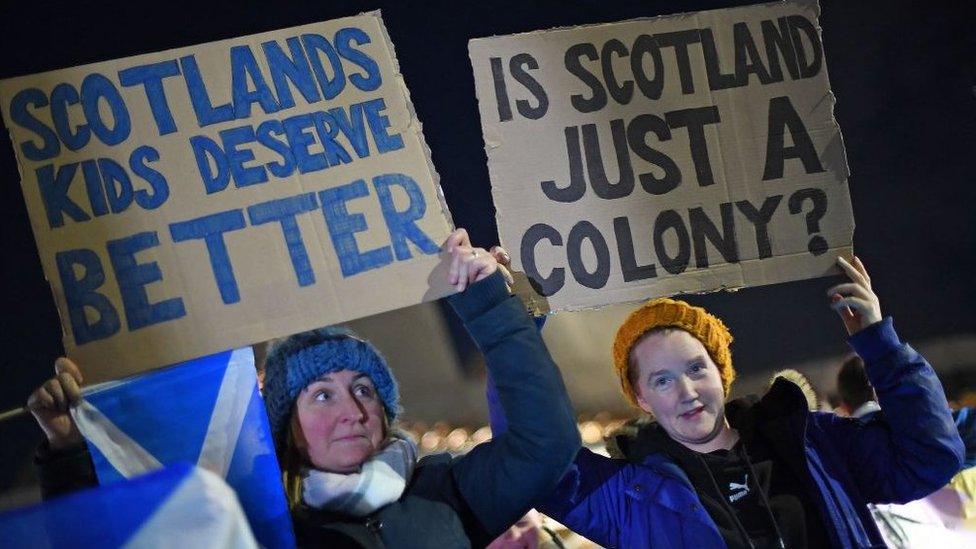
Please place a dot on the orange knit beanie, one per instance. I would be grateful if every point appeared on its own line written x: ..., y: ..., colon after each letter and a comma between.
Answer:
x: 669, y: 313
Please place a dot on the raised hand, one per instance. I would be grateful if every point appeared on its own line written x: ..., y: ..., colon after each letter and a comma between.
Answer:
x: 468, y: 264
x: 50, y: 402
x: 855, y: 301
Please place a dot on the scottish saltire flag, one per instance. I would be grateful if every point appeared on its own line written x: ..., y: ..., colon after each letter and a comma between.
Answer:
x: 945, y: 519
x: 180, y: 506
x: 206, y: 411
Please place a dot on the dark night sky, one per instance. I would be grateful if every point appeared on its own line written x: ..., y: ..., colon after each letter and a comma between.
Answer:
x: 903, y: 74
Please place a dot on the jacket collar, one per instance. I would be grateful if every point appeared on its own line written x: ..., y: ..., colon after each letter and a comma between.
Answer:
x: 780, y: 417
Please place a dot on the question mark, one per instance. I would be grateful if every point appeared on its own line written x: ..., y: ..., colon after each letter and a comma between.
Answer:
x: 817, y: 244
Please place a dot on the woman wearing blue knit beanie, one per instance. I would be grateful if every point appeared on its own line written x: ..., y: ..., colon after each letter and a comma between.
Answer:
x: 353, y: 481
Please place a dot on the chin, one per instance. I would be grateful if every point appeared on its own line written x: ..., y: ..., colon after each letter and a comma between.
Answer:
x: 702, y: 437
x: 355, y: 459
x: 706, y: 431
x: 346, y: 464
x: 343, y: 461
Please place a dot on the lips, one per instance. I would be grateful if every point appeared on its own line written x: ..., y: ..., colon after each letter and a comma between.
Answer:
x: 693, y: 413
x: 349, y: 438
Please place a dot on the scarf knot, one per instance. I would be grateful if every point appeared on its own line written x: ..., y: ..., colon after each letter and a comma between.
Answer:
x: 380, y: 481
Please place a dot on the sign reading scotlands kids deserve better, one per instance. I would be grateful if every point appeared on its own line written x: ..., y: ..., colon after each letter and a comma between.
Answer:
x: 205, y: 198
x: 684, y: 153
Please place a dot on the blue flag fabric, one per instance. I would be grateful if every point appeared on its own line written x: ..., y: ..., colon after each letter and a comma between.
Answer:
x: 206, y: 411
x: 181, y: 505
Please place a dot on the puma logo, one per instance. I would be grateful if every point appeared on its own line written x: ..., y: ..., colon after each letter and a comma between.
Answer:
x: 739, y: 491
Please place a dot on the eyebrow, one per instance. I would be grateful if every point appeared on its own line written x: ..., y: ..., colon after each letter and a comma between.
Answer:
x: 689, y: 362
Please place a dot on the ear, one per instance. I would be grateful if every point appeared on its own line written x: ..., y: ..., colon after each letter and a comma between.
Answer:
x: 642, y: 402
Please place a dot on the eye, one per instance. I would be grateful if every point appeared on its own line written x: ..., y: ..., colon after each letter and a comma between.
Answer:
x: 321, y: 396
x: 364, y: 391
x: 698, y: 367
x: 660, y: 382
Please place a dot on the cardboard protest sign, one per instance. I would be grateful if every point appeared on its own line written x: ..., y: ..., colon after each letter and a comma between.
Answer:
x: 676, y: 154
x: 209, y: 197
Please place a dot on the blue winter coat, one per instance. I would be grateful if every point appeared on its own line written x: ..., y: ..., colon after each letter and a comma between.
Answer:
x: 913, y: 452
x: 966, y: 423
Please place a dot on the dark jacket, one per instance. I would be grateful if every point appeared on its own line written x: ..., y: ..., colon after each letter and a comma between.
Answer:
x: 469, y: 500
x: 648, y: 500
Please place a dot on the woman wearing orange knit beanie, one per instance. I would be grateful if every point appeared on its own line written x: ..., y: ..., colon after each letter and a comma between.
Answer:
x: 756, y: 472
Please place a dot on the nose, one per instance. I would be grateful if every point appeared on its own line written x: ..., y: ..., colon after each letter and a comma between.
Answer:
x: 686, y: 389
x: 352, y: 410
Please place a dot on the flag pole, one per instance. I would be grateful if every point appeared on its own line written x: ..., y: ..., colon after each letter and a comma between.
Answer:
x: 12, y: 413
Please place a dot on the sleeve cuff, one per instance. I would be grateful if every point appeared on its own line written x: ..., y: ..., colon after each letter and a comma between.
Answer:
x: 479, y: 297
x: 875, y: 341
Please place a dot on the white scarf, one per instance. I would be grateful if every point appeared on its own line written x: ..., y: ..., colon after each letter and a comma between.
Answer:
x: 380, y: 481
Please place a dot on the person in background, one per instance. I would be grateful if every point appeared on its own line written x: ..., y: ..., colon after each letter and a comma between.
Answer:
x: 941, y: 517
x: 857, y: 398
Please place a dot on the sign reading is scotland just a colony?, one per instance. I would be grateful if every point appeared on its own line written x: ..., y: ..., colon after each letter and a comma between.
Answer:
x: 208, y: 197
x: 682, y: 153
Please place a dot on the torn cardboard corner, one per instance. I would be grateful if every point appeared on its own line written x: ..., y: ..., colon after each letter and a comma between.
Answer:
x: 205, y: 198
x: 535, y: 303
x: 679, y: 154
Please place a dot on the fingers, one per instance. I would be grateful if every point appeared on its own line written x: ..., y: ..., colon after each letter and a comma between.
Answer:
x: 857, y: 295
x: 51, y: 402
x: 452, y: 272
x: 845, y: 312
x: 66, y: 365
x: 457, y: 238
x: 59, y: 400
x: 862, y: 269
x: 504, y: 263
x: 464, y: 264
x: 852, y: 272
x: 473, y: 264
x: 40, y: 399
x: 469, y: 264
x: 476, y: 265
x: 855, y: 304
x: 501, y: 256
x: 483, y: 267
x: 509, y: 279
x: 70, y: 388
x: 851, y: 289
x: 61, y: 391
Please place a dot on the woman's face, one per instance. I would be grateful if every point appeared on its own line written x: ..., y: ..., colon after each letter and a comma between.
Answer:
x: 340, y: 421
x: 680, y: 385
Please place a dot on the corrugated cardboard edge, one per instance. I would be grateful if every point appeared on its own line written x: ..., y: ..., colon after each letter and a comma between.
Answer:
x: 65, y: 337
x: 535, y: 303
x: 682, y: 15
x: 415, y: 125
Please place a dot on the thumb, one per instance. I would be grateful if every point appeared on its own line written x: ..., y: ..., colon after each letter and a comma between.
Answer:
x: 501, y: 256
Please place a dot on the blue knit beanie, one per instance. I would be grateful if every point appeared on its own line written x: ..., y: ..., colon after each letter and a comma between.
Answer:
x: 297, y: 360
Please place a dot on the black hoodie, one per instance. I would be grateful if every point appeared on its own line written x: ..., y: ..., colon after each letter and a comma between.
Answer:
x: 757, y: 493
